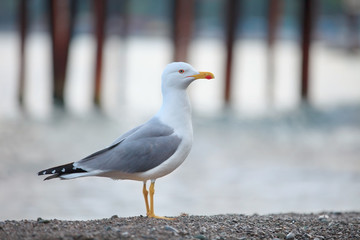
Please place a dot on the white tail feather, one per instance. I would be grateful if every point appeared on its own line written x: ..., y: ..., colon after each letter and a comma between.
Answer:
x: 82, y: 174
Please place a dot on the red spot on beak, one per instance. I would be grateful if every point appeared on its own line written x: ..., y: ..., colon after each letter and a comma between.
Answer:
x: 208, y: 77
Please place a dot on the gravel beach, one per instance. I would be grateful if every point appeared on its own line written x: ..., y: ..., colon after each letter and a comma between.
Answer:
x: 319, y: 226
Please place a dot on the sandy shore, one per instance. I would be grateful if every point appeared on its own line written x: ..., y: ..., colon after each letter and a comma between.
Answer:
x: 335, y: 225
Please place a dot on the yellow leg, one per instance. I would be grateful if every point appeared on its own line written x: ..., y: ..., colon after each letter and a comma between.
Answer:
x: 151, y: 214
x: 145, y: 193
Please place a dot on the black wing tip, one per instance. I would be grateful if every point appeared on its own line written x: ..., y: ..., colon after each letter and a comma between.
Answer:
x: 45, y: 172
x: 56, y: 175
x: 60, y: 170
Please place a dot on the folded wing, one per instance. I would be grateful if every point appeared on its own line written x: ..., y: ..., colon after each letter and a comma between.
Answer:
x: 144, y: 149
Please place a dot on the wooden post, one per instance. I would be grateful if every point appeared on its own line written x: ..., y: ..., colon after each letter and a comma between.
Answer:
x: 273, y: 7
x: 61, y: 22
x: 182, y: 28
x: 23, y: 33
x: 353, y: 31
x: 124, y: 5
x: 307, y: 15
x: 231, y: 20
x: 100, y: 19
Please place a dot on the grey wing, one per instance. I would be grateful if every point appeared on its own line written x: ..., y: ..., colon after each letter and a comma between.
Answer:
x: 145, y: 148
x: 123, y: 136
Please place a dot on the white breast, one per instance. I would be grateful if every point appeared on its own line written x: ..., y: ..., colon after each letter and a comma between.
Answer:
x: 170, y: 164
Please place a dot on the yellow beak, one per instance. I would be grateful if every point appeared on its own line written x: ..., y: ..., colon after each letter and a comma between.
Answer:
x: 203, y: 75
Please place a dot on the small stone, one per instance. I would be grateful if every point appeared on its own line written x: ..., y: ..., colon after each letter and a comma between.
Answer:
x: 114, y: 216
x: 40, y: 220
x: 125, y: 234
x: 201, y: 237
x: 280, y: 236
x: 108, y: 228
x: 323, y: 218
x: 291, y: 235
x: 203, y: 230
x: 169, y: 228
x: 337, y: 213
x: 223, y: 234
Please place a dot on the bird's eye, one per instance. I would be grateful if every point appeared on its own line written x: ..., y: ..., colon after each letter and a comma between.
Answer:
x: 181, y: 71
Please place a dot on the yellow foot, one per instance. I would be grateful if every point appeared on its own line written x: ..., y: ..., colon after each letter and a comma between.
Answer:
x: 158, y: 217
x: 150, y: 207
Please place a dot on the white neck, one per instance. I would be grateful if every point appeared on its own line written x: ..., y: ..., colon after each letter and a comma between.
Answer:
x: 176, y: 110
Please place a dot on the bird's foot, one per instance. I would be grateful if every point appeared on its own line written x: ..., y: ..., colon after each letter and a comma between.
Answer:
x: 152, y: 215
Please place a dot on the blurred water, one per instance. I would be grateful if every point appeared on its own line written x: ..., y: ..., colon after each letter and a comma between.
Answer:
x: 302, y: 162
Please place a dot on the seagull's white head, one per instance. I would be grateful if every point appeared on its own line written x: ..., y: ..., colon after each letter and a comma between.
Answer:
x: 179, y: 75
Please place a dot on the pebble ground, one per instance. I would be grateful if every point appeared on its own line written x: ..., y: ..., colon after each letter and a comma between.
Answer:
x: 320, y: 226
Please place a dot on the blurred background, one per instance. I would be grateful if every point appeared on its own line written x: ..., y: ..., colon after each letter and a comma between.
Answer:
x: 277, y: 130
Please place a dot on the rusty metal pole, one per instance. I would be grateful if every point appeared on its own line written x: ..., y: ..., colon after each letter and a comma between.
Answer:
x: 100, y: 19
x: 23, y: 33
x: 273, y: 7
x: 231, y: 20
x: 60, y: 22
x: 307, y: 16
x: 182, y: 28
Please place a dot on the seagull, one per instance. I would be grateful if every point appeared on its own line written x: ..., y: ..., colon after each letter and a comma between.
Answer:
x: 151, y: 150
